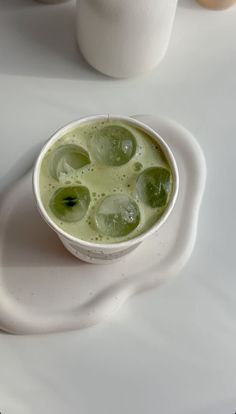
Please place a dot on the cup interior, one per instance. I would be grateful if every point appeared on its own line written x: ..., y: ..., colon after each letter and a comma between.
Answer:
x: 86, y: 120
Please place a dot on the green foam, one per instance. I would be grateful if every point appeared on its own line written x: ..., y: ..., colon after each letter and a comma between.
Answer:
x: 103, y: 180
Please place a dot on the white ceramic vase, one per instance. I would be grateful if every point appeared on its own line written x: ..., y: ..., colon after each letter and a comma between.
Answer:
x: 124, y: 38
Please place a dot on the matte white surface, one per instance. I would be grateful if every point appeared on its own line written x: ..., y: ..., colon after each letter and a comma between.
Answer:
x: 171, y: 350
x: 44, y: 289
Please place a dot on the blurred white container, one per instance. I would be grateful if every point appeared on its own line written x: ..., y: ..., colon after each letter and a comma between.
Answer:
x: 124, y: 38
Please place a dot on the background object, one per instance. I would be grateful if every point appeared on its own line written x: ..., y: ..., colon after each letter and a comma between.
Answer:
x: 217, y: 4
x: 124, y: 38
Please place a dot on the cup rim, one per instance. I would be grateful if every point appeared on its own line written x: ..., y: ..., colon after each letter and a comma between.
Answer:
x: 87, y: 119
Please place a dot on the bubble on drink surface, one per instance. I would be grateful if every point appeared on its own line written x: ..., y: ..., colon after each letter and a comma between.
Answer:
x: 117, y: 215
x: 137, y: 166
x: 70, y: 204
x: 154, y: 186
x: 113, y: 145
x: 66, y: 159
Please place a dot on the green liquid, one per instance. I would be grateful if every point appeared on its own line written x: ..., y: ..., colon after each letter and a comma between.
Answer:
x: 103, y: 180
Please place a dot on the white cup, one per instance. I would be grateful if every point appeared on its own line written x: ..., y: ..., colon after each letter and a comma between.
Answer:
x: 124, y: 38
x: 103, y: 253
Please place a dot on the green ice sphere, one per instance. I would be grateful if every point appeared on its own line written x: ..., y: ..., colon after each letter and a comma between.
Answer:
x: 117, y: 215
x: 70, y: 203
x: 154, y: 186
x: 67, y: 158
x: 113, y: 145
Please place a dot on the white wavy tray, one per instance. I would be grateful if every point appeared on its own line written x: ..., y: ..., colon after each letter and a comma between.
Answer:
x: 45, y: 289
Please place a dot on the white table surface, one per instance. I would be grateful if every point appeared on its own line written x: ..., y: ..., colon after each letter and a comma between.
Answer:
x: 173, y: 349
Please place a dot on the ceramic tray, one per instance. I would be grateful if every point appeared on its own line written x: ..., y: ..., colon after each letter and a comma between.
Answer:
x: 45, y: 289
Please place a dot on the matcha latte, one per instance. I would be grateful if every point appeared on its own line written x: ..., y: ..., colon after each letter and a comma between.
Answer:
x: 105, y: 181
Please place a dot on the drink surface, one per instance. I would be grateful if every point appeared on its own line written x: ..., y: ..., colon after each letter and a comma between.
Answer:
x: 105, y: 181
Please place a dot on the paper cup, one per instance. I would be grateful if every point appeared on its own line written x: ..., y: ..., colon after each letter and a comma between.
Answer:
x: 94, y: 252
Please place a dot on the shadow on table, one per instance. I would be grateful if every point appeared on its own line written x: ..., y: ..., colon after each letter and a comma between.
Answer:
x: 29, y: 242
x: 39, y: 40
x: 28, y: 233
x: 23, y: 165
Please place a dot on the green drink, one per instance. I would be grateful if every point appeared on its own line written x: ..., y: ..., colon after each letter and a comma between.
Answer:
x: 105, y: 181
